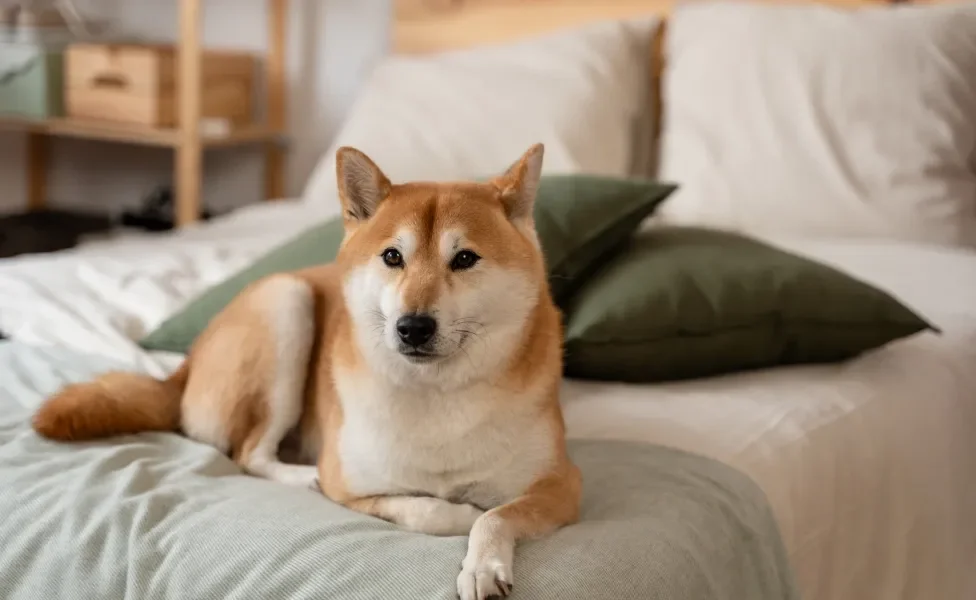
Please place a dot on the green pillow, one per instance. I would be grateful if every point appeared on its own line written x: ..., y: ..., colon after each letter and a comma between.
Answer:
x: 681, y: 303
x: 314, y: 246
x: 581, y: 219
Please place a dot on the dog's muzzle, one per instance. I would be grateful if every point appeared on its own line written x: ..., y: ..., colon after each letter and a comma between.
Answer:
x: 415, y: 333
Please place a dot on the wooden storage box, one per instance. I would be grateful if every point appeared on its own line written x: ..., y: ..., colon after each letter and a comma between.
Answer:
x: 138, y: 84
x: 30, y: 81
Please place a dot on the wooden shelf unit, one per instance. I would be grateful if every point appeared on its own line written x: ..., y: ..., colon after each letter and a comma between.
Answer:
x: 186, y: 140
x: 139, y: 136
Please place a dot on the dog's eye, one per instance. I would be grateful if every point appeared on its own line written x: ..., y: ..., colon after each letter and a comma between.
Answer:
x: 465, y: 259
x: 392, y: 257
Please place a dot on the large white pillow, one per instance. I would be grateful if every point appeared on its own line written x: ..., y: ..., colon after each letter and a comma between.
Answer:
x: 582, y: 92
x: 812, y: 120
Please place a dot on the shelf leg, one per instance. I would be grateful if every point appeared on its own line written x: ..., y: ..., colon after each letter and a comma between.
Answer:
x: 37, y: 151
x: 189, y: 151
x: 188, y: 183
x: 274, y: 172
x: 277, y: 82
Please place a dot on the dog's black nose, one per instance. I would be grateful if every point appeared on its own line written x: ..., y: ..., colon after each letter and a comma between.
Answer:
x: 416, y: 330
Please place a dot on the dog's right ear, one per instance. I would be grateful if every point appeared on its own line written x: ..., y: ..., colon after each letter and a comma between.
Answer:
x: 362, y: 185
x: 520, y: 183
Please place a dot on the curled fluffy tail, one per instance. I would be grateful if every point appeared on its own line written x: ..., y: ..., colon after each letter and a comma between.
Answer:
x: 113, y: 404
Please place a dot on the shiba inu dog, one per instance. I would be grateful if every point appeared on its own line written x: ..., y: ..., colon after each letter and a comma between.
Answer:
x: 416, y: 377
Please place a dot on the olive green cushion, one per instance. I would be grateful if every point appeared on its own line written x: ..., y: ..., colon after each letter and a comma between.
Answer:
x: 681, y: 302
x: 312, y: 247
x: 580, y: 219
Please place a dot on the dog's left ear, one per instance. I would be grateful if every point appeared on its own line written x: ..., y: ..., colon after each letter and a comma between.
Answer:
x: 520, y: 184
x: 362, y: 185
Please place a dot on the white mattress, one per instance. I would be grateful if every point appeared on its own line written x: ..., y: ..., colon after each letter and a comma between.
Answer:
x: 870, y: 466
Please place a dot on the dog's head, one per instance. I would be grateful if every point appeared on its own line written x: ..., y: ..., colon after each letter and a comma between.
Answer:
x: 441, y: 277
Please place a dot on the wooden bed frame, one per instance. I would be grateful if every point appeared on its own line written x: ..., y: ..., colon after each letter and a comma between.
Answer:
x: 422, y: 26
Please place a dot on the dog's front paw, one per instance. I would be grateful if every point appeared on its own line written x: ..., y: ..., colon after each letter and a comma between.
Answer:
x: 485, y: 578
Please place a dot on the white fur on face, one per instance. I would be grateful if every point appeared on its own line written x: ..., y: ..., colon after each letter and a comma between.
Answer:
x: 406, y: 242
x: 390, y: 303
x: 480, y: 316
x: 449, y: 244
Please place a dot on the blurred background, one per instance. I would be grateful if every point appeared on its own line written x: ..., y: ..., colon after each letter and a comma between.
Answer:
x: 800, y: 303
x: 330, y: 46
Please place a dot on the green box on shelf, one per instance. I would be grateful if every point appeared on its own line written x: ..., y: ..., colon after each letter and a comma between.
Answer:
x: 31, y: 81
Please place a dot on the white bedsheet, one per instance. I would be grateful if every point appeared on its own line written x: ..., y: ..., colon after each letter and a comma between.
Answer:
x: 103, y: 296
x: 870, y: 466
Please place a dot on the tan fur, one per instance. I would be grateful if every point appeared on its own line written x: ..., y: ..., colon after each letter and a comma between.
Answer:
x: 114, y: 404
x: 288, y: 356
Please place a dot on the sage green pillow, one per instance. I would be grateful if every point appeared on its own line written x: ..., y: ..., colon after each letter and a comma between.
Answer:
x: 581, y: 219
x: 683, y: 302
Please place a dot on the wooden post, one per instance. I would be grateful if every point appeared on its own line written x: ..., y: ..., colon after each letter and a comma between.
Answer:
x: 37, y: 148
x: 277, y: 82
x: 189, y: 151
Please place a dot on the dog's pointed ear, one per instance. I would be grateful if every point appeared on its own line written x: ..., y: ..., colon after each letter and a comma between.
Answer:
x: 362, y: 185
x: 520, y: 184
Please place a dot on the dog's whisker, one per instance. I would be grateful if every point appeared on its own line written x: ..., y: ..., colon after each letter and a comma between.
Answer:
x: 459, y: 346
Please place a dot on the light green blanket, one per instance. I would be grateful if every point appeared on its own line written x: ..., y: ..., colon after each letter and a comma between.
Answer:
x: 158, y: 516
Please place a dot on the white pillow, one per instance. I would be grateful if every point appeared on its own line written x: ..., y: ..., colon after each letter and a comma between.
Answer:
x: 812, y: 120
x: 582, y: 92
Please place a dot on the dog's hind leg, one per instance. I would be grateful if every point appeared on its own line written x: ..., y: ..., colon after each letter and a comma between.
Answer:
x: 288, y: 306
x: 255, y: 363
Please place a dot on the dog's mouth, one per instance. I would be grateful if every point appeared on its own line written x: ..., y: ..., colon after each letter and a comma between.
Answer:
x: 439, y: 348
x: 419, y: 356
x: 426, y: 353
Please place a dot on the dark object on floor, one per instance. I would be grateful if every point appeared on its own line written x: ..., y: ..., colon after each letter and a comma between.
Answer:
x: 47, y: 230
x: 156, y: 212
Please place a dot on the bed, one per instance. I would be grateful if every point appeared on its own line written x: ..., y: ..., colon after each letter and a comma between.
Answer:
x: 868, y: 467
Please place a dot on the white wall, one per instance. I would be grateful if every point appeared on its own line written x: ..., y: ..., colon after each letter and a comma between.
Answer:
x: 332, y: 45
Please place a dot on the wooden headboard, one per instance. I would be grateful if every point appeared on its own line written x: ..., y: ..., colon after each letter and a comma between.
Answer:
x: 422, y: 26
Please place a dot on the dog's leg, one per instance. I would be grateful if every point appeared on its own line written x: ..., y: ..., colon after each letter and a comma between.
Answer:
x: 286, y: 305
x: 550, y: 503
x: 422, y: 514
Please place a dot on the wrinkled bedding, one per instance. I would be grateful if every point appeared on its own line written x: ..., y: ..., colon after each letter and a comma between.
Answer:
x: 103, y: 296
x: 160, y: 516
x: 869, y: 466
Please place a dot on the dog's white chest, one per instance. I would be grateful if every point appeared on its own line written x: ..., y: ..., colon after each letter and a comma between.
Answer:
x: 462, y: 447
